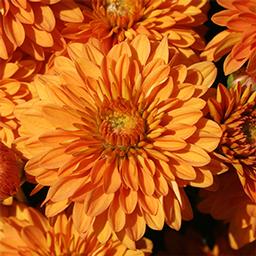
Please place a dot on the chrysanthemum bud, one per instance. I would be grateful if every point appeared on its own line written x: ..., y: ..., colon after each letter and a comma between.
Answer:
x: 9, y: 172
x: 242, y: 77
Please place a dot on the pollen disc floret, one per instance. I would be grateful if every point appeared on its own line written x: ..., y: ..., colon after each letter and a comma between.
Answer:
x: 124, y: 132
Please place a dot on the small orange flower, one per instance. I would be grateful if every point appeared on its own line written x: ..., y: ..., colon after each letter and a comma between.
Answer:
x: 119, y: 136
x: 9, y: 172
x: 235, y: 111
x: 27, y: 232
x: 31, y: 25
x: 238, y: 40
x: 230, y: 204
x: 113, y: 21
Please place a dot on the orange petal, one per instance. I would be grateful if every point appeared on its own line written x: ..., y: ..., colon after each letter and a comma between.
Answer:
x: 29, y: 233
x: 172, y: 211
x: 135, y: 226
x: 112, y: 180
x: 170, y: 143
x: 44, y: 18
x: 116, y: 216
x: 40, y: 37
x: 14, y: 31
x: 128, y: 200
x: 141, y: 45
x: 80, y: 219
x: 53, y: 209
x: 99, y: 202
x: 156, y: 221
x: 194, y: 155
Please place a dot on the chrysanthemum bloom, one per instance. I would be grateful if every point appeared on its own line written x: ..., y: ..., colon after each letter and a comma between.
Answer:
x: 119, y: 136
x: 230, y: 204
x: 9, y: 172
x: 28, y: 232
x: 113, y: 21
x: 31, y: 25
x: 14, y: 89
x: 235, y: 110
x: 239, y: 39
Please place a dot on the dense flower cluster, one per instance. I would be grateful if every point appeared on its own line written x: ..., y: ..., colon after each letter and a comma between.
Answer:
x: 114, y: 122
x: 125, y: 138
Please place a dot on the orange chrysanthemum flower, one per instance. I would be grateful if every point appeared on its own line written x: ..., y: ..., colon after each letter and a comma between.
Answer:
x: 113, y: 21
x: 235, y: 111
x: 117, y: 135
x: 28, y: 232
x: 239, y: 39
x: 31, y: 25
x: 230, y: 203
x: 14, y: 89
x: 9, y: 172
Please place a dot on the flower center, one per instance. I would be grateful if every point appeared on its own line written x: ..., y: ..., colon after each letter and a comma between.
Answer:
x: 120, y: 7
x: 249, y: 128
x: 239, y: 140
x: 121, y: 125
x: 122, y: 14
x: 121, y: 122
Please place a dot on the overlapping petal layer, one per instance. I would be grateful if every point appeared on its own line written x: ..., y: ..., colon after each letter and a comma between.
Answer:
x: 32, y: 25
x: 15, y: 73
x: 238, y: 40
x: 119, y: 136
x: 25, y: 231
x: 114, y: 21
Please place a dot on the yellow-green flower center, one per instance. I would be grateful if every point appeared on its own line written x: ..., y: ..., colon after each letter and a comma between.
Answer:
x: 121, y: 122
x: 121, y: 126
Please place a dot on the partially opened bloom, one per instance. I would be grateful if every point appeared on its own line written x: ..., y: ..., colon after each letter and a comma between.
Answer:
x: 119, y: 135
x: 230, y: 204
x: 235, y: 110
x: 28, y: 232
x: 31, y: 25
x: 113, y: 21
x: 9, y: 172
x: 238, y: 40
x: 242, y: 77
